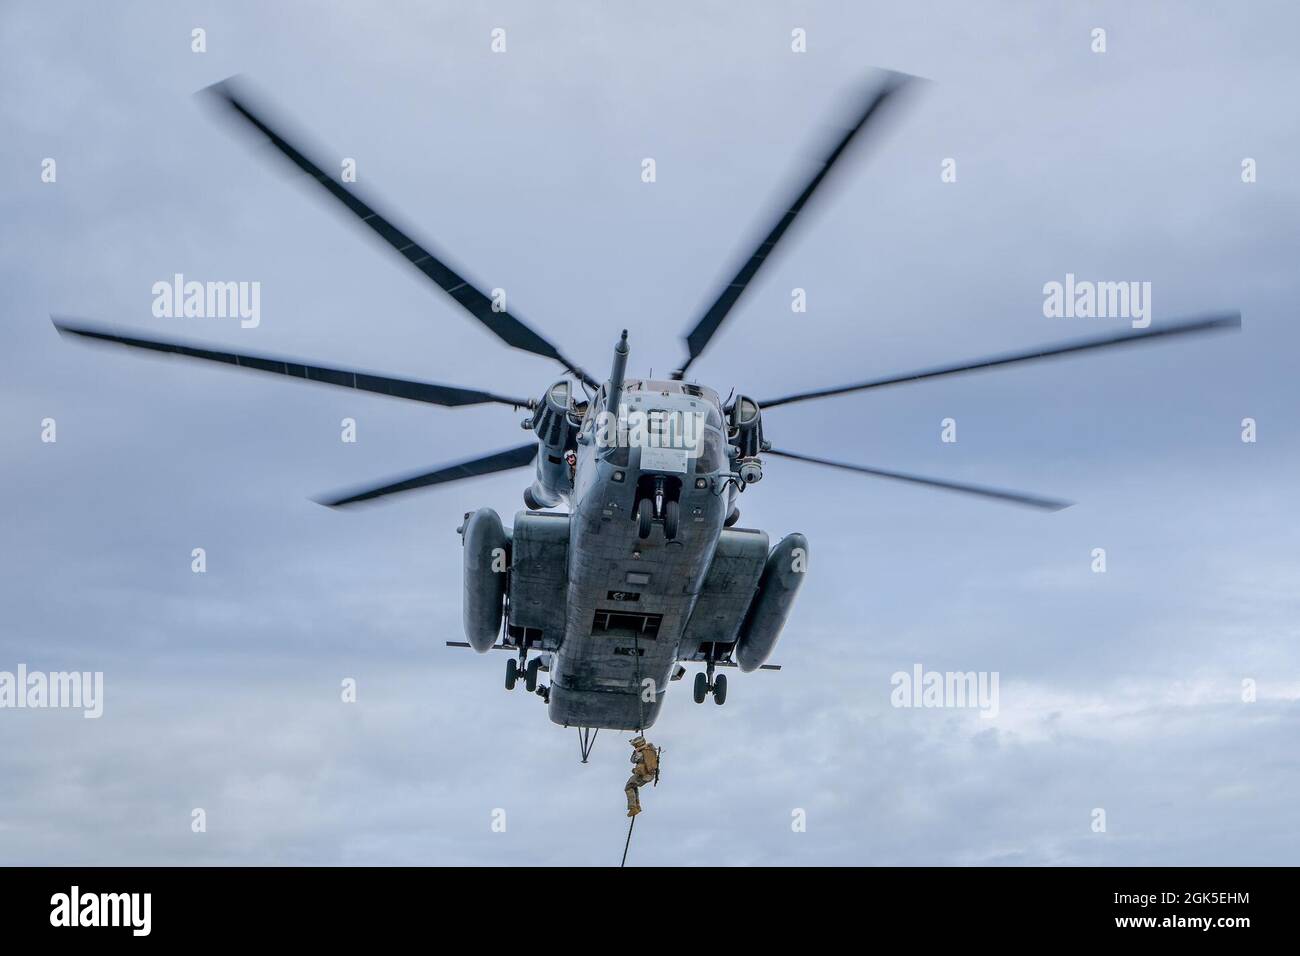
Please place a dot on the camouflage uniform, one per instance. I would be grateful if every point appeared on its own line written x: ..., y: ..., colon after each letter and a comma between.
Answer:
x: 641, y: 775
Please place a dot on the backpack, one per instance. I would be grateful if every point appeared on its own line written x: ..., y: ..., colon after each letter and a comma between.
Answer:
x: 650, y: 757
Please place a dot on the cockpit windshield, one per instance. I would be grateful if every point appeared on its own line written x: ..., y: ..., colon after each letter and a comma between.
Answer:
x: 673, y: 424
x: 703, y: 398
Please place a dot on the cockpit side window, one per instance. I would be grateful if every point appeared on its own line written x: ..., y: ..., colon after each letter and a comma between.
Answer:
x: 710, y: 458
x: 592, y: 410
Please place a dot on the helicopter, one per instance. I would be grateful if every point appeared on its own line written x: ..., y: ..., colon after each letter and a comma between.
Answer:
x: 646, y: 569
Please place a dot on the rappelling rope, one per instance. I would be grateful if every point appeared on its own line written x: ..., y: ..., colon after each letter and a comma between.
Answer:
x: 640, y: 706
x: 640, y: 700
x: 630, y: 825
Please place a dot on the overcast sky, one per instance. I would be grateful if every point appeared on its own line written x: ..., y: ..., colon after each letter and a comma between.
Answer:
x: 1120, y: 691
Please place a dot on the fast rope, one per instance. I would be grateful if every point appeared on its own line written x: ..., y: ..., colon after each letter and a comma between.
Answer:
x: 640, y: 697
x: 630, y: 825
x: 640, y: 706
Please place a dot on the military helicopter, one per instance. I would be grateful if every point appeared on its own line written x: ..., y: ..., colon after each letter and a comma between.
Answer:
x: 647, y: 570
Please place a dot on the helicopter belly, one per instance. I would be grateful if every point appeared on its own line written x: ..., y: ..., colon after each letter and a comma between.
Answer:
x: 628, y: 603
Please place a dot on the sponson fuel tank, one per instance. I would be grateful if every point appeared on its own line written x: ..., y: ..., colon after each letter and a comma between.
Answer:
x: 487, y: 559
x: 783, y: 575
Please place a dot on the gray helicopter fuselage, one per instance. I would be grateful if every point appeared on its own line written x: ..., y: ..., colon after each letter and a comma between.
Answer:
x: 629, y: 599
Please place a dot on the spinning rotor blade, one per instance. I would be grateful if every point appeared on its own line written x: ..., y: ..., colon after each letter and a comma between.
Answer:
x: 1216, y: 323
x: 708, y: 325
x: 505, y: 326
x: 448, y: 395
x: 1014, y: 497
x: 500, y: 461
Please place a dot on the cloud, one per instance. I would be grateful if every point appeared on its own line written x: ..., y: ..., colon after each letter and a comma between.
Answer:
x: 1119, y: 691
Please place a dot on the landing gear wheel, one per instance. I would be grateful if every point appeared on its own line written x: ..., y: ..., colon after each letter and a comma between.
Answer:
x: 512, y: 673
x: 530, y: 674
x: 701, y: 687
x: 672, y: 514
x: 645, y: 516
x: 720, y: 689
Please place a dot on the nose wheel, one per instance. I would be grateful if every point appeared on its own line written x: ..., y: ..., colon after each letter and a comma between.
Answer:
x: 669, y: 512
x: 672, y: 515
x: 645, y: 518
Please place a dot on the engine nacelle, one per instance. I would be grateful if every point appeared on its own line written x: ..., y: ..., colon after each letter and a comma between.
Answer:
x: 783, y: 575
x: 487, y: 566
x: 745, y: 426
x: 555, y: 425
x: 537, y: 497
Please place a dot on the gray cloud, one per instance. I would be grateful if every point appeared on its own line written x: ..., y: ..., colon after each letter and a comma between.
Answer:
x: 1119, y: 691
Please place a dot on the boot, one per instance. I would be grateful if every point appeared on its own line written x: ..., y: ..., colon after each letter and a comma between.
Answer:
x: 633, y: 811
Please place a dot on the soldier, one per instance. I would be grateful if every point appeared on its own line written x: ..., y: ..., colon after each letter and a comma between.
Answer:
x: 645, y: 760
